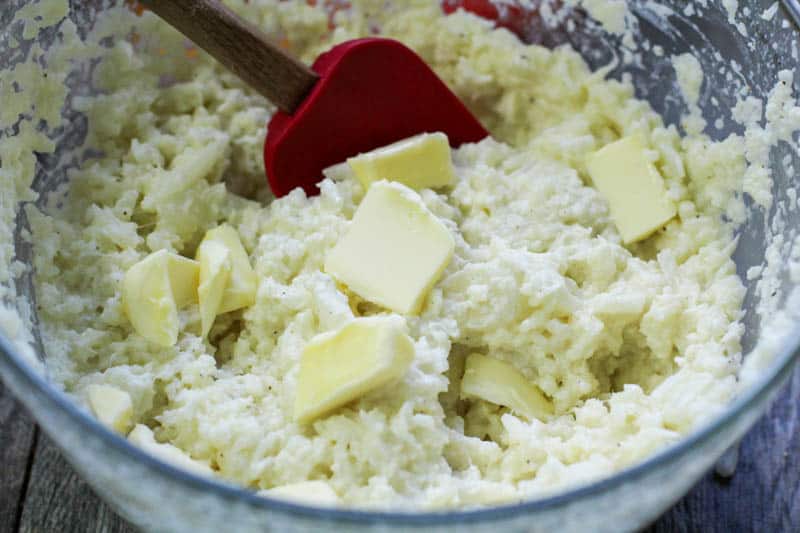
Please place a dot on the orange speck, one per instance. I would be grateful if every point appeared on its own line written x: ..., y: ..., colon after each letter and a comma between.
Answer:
x: 161, y: 51
x: 284, y: 43
x: 333, y: 7
x: 192, y: 53
x: 136, y: 7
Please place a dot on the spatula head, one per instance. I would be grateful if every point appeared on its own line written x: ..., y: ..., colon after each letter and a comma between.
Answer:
x: 371, y: 93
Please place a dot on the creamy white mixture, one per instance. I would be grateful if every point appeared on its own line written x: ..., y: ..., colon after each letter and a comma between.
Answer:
x: 634, y: 345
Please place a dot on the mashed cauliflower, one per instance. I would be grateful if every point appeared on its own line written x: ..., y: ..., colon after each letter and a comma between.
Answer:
x: 540, y: 277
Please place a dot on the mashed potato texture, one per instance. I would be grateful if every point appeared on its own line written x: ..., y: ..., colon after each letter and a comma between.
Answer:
x: 634, y: 345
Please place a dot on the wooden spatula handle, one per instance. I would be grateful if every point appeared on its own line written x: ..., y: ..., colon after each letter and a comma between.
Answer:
x: 241, y: 47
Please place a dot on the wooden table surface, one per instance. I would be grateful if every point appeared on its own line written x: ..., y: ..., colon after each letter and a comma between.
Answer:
x: 40, y: 493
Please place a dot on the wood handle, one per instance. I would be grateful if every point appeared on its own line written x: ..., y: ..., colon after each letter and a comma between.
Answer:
x: 240, y: 47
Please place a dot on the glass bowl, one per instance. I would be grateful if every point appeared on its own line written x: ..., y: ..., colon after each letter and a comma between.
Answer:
x: 156, y: 496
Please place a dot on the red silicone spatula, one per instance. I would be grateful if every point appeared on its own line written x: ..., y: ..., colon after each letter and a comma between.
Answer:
x: 358, y: 96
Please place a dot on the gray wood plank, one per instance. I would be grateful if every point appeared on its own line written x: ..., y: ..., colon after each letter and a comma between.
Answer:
x: 17, y: 436
x: 58, y: 500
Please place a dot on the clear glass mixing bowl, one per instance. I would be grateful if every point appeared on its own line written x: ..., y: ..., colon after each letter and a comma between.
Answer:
x: 156, y: 496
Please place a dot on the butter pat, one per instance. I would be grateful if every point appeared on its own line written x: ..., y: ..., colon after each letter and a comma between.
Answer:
x: 154, y: 289
x: 339, y: 172
x: 633, y: 188
x: 242, y: 285
x: 339, y: 366
x: 394, y: 251
x: 500, y: 383
x: 422, y: 161
x: 142, y: 436
x: 308, y: 492
x: 215, y: 271
x: 112, y: 406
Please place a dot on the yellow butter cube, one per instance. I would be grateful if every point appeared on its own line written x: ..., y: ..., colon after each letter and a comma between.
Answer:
x: 112, y: 406
x: 339, y: 172
x: 394, y: 251
x: 308, y: 492
x: 154, y: 289
x: 184, y: 275
x: 142, y: 436
x: 422, y: 161
x: 340, y: 366
x: 215, y: 271
x: 243, y: 283
x: 633, y: 188
x: 500, y: 383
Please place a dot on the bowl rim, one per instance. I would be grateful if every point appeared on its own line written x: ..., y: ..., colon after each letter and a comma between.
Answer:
x: 780, y: 368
